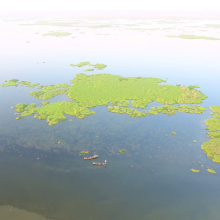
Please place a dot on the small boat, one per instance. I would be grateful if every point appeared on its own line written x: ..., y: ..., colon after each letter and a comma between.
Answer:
x: 100, y: 164
x: 90, y: 158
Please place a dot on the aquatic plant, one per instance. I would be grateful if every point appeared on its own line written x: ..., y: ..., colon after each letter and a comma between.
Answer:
x: 166, y: 135
x: 81, y: 64
x: 59, y: 142
x: 100, y: 89
x: 12, y: 82
x: 62, y: 85
x: 57, y: 34
x: 12, y: 106
x: 174, y: 133
x: 45, y: 103
x: 100, y: 66
x: 53, y: 112
x: 212, y: 147
x: 188, y: 36
x: 121, y: 151
x: 194, y: 141
x: 84, y: 152
x: 89, y: 91
x: 211, y: 171
x: 15, y: 82
x: 195, y: 171
x: 48, y: 92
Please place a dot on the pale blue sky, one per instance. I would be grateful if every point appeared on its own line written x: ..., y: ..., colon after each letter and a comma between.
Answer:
x: 11, y: 5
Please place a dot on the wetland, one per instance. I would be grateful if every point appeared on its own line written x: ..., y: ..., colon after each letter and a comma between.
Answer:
x: 145, y: 102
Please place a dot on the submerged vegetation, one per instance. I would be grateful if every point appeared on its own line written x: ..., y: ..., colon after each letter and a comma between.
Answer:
x: 187, y: 36
x: 212, y: 147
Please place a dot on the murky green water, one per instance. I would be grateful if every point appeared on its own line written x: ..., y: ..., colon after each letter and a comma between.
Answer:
x: 152, y: 180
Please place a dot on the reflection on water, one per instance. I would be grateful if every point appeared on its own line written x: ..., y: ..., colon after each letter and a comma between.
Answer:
x: 151, y: 180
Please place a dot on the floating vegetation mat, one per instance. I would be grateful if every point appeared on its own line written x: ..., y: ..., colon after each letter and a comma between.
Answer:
x: 211, y: 171
x: 88, y: 91
x: 212, y: 147
x: 57, y: 34
x: 186, y: 36
x: 195, y: 171
x: 98, y: 66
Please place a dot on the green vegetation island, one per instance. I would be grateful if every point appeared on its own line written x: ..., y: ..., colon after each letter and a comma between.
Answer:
x: 195, y: 171
x: 114, y: 91
x: 57, y: 34
x: 98, y: 66
x: 211, y: 171
x: 212, y: 147
x: 188, y: 36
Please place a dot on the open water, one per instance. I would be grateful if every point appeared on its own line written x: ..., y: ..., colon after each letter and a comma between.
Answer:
x: 152, y: 179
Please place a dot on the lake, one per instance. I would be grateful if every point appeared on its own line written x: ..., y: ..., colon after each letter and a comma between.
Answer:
x: 41, y: 179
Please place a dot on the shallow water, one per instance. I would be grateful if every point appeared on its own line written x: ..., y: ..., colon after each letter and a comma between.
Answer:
x: 152, y: 180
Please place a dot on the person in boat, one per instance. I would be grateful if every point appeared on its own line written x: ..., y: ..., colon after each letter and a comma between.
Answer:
x: 94, y: 163
x: 90, y: 158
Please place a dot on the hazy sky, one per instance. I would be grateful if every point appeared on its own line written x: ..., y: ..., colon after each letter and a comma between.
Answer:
x: 11, y: 5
